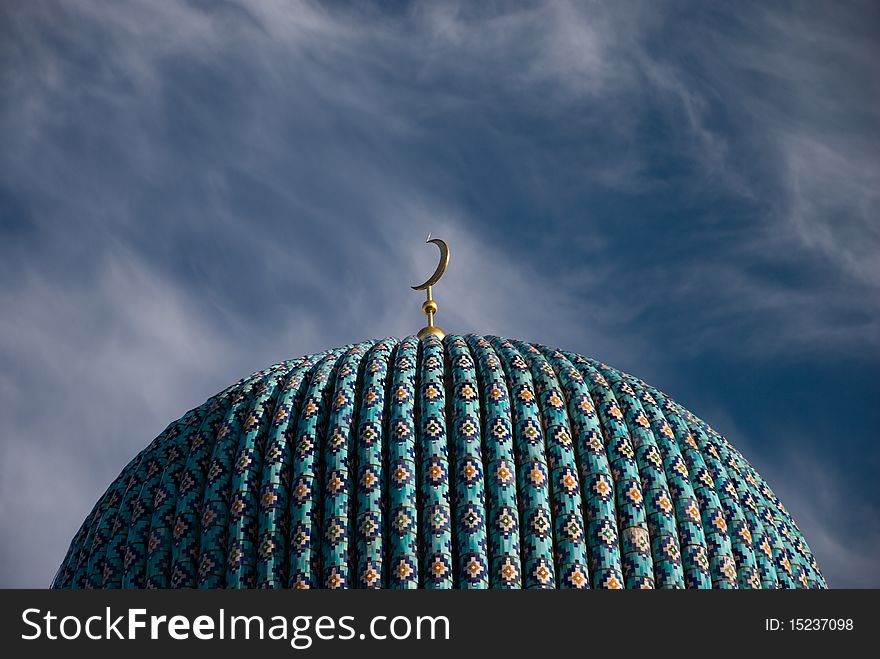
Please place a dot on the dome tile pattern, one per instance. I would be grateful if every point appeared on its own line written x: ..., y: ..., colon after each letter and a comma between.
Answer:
x: 475, y: 462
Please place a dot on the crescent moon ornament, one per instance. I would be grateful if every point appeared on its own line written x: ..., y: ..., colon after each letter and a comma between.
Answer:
x: 441, y: 267
x: 430, y: 306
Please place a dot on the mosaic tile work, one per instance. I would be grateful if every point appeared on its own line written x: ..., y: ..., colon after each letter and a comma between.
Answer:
x: 475, y: 462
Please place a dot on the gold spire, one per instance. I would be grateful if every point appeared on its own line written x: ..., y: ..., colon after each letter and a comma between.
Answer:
x: 430, y: 306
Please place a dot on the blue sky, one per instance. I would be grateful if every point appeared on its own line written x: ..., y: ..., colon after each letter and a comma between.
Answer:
x: 191, y: 191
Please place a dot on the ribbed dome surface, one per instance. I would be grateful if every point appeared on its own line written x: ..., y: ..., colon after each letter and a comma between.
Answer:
x: 470, y: 463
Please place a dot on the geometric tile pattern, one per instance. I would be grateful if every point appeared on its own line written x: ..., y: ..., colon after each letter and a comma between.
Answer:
x: 473, y: 462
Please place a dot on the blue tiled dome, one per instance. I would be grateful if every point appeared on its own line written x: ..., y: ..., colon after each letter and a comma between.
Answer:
x: 471, y: 462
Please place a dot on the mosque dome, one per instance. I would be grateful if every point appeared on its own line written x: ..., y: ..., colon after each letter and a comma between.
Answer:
x: 453, y: 462
x: 439, y: 462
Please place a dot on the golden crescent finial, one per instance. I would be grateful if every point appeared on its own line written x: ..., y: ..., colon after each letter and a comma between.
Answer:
x: 441, y: 267
x: 430, y: 306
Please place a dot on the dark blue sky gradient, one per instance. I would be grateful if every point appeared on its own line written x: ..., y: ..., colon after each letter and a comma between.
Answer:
x: 191, y: 191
